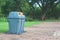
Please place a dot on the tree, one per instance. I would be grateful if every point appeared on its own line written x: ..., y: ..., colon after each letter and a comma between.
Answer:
x: 2, y: 2
x: 44, y: 10
x: 45, y: 5
x: 15, y: 5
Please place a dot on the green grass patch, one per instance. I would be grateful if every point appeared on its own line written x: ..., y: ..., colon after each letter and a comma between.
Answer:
x: 27, y: 24
x: 4, y: 27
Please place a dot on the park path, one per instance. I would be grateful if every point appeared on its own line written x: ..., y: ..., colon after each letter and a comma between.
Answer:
x: 42, y: 31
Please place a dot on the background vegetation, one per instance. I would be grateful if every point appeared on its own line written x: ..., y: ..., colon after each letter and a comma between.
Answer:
x: 33, y: 9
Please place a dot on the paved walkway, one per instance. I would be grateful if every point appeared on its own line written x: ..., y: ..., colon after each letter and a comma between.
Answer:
x: 43, y: 31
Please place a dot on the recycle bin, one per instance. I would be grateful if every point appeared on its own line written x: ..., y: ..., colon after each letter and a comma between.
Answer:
x: 16, y: 22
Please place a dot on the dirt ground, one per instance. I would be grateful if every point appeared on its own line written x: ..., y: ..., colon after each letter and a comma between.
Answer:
x: 42, y: 31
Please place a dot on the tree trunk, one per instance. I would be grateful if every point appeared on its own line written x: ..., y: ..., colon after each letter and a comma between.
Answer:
x: 43, y: 17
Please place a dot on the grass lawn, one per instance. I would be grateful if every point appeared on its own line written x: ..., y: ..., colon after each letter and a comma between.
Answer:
x: 4, y: 25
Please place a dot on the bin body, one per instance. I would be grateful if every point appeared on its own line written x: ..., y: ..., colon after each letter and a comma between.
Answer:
x: 16, y: 23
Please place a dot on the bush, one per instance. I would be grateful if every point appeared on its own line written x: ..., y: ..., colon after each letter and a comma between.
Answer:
x: 29, y: 19
x: 3, y: 19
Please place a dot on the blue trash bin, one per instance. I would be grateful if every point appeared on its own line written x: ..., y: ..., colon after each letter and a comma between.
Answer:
x: 16, y: 22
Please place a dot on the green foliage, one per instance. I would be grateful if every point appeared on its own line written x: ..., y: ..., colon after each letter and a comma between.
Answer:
x: 29, y: 19
x: 3, y: 19
x: 47, y: 9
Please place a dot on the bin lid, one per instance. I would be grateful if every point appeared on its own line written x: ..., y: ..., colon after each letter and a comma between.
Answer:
x: 15, y: 15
